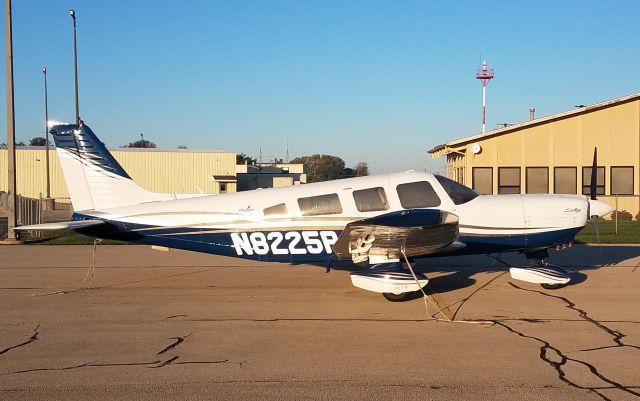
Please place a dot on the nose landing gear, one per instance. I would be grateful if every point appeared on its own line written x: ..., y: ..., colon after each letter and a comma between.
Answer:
x: 549, y: 276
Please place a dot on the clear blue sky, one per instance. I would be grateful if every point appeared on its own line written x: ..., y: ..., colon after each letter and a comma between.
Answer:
x: 380, y: 82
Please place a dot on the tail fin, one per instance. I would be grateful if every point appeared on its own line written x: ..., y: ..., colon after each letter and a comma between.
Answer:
x: 94, y: 177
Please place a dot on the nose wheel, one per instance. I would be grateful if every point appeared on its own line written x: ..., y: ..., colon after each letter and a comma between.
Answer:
x: 389, y: 296
x: 552, y: 286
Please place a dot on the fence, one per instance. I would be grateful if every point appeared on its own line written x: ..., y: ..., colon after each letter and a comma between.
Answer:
x: 30, y: 211
x: 622, y: 225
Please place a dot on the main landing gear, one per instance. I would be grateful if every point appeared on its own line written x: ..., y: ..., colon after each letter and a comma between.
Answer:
x: 550, y: 277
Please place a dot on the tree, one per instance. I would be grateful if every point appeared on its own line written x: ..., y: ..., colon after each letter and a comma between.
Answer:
x: 242, y: 158
x: 348, y: 172
x: 181, y: 147
x: 38, y: 141
x: 21, y: 143
x: 361, y: 169
x: 141, y: 143
x: 321, y: 167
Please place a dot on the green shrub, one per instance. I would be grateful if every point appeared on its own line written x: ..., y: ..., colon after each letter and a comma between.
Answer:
x: 621, y: 215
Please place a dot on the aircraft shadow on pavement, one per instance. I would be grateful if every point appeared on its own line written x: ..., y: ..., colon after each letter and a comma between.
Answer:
x: 459, y: 270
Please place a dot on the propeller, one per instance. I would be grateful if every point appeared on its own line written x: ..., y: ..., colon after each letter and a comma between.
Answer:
x: 594, y: 174
x: 596, y: 208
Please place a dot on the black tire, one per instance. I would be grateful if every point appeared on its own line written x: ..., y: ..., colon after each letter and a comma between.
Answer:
x: 405, y: 296
x: 552, y: 286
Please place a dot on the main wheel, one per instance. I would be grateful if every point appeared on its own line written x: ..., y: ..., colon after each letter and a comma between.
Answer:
x: 552, y: 286
x: 396, y: 297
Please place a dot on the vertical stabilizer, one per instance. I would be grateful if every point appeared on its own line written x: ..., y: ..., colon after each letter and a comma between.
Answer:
x: 94, y: 177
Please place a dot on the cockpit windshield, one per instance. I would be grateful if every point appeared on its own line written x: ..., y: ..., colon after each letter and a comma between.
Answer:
x: 458, y: 193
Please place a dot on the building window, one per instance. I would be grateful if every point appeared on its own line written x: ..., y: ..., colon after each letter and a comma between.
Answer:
x: 460, y: 175
x: 508, y: 180
x: 621, y: 180
x: 223, y: 187
x: 565, y: 180
x: 586, y: 181
x: 537, y: 180
x: 279, y: 210
x: 370, y: 199
x: 482, y: 180
x: 417, y: 194
x: 321, y: 204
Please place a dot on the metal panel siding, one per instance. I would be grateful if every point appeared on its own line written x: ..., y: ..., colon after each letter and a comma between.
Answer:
x: 31, y: 174
x: 179, y: 172
x: 538, y: 141
x: 566, y: 141
x: 624, y: 134
x: 596, y: 132
x: 174, y: 172
x: 569, y: 141
x: 510, y: 149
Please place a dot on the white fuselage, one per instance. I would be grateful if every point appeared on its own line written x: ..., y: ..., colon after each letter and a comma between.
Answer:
x: 247, y: 224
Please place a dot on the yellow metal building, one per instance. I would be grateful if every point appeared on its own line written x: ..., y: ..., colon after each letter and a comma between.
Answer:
x: 554, y: 154
x: 158, y: 170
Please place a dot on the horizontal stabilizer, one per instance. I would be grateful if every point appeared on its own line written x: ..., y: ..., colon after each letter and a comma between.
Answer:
x: 62, y: 225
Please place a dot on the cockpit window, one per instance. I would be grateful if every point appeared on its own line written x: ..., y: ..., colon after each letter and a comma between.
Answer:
x: 458, y: 193
x: 417, y: 194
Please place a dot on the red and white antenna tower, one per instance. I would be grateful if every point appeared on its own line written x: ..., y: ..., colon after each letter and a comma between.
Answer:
x: 485, y: 75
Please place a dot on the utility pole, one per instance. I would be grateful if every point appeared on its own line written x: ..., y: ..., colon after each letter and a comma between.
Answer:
x: 11, y: 127
x: 72, y: 13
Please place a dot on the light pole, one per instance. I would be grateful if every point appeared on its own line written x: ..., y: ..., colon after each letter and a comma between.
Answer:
x: 46, y: 130
x: 72, y: 13
x: 11, y: 126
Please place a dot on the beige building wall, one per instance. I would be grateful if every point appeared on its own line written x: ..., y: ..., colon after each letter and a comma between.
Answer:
x: 174, y: 171
x: 563, y: 140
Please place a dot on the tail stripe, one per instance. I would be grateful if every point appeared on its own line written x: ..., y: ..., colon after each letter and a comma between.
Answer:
x: 83, y: 143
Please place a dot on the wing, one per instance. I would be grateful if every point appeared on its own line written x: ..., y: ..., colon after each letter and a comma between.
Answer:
x: 61, y: 225
x: 382, y: 238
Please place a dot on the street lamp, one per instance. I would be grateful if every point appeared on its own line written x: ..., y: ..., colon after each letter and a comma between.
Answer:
x: 46, y: 130
x: 72, y: 13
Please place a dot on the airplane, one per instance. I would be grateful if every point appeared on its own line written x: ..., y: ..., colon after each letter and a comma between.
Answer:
x: 381, y: 222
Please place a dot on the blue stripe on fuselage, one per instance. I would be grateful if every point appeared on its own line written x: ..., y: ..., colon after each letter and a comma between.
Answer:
x: 223, y: 244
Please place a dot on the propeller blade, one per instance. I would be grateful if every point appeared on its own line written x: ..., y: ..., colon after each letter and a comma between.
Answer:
x: 594, y: 174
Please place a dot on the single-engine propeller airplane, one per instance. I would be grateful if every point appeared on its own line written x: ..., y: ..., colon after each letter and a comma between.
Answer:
x: 376, y: 221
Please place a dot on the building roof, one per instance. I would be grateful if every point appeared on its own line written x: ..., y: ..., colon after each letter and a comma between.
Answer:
x: 441, y: 150
x: 3, y: 146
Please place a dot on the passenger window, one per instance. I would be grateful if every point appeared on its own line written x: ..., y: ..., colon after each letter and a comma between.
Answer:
x: 279, y: 210
x: 370, y: 199
x: 417, y: 194
x: 321, y: 204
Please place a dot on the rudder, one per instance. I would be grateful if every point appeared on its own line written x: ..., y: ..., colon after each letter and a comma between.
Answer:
x: 94, y: 177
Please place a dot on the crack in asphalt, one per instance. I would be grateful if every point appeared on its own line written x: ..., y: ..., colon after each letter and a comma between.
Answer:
x: 165, y: 363
x: 34, y: 337
x: 172, y: 317
x: 151, y: 364
x: 616, y: 335
x: 547, y: 350
x: 178, y: 341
